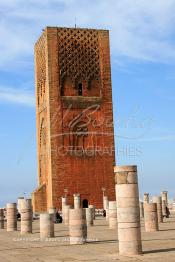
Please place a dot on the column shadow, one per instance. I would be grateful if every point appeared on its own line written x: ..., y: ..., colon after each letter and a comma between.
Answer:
x: 159, y: 251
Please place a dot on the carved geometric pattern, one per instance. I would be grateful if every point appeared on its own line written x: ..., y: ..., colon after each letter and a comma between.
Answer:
x: 42, y: 133
x: 41, y: 66
x: 78, y: 54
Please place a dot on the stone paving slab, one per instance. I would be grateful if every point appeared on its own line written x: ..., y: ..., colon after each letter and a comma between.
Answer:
x: 102, y: 245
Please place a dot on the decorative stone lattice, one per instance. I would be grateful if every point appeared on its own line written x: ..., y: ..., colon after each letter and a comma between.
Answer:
x: 42, y: 133
x: 78, y: 55
x: 42, y: 144
x: 41, y: 67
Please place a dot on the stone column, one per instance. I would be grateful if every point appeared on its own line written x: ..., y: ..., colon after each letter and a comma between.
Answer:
x: 141, y: 210
x: 46, y: 226
x: 89, y: 216
x: 66, y: 214
x: 115, y: 171
x: 158, y: 201
x: 52, y: 210
x: 164, y: 206
x: 151, y: 218
x: 146, y: 198
x: 105, y: 202
x: 106, y: 206
x: 26, y: 216
x: 92, y: 206
x: 164, y: 195
x: 77, y: 226
x: 128, y: 213
x: 1, y: 218
x: 20, y: 199
x: 11, y: 217
x: 107, y: 214
x: 112, y: 214
x: 77, y: 201
x: 64, y: 202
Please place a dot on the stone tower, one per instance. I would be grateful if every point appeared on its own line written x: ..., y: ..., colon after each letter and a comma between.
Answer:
x: 75, y: 135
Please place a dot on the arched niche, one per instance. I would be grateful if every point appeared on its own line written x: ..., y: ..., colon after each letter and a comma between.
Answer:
x: 93, y: 87
x: 85, y: 203
x: 67, y: 87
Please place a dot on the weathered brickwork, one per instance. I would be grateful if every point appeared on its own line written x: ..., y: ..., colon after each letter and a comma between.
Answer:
x: 74, y: 116
x: 40, y: 198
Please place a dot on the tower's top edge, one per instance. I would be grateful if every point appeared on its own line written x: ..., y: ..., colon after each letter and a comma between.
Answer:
x: 74, y: 28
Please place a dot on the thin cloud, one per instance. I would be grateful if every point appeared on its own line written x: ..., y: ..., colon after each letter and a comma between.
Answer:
x: 17, y: 96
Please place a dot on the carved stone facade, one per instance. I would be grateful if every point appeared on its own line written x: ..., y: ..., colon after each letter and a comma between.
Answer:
x: 74, y: 117
x: 78, y: 60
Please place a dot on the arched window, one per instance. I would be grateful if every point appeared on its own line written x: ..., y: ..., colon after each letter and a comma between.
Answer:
x: 80, y: 89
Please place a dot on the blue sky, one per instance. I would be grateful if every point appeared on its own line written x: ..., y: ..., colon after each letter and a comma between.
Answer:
x: 142, y: 37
